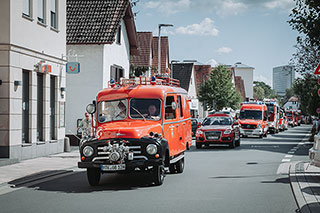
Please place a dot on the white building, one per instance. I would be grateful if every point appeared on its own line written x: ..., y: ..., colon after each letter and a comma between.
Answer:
x: 283, y: 78
x: 102, y: 35
x: 292, y: 104
x: 32, y: 77
x: 246, y: 73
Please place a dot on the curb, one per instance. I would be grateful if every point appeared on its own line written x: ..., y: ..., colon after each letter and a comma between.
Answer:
x: 295, y: 187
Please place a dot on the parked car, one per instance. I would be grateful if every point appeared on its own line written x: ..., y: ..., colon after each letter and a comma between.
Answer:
x: 143, y: 124
x: 218, y: 129
x: 314, y: 152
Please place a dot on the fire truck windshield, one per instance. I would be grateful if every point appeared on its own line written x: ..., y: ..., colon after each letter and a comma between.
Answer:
x: 251, y: 114
x: 149, y: 109
x: 112, y: 110
x: 270, y: 109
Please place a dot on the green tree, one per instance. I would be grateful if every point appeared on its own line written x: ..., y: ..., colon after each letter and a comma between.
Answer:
x: 219, y: 89
x: 268, y: 92
x: 306, y: 89
x: 258, y: 92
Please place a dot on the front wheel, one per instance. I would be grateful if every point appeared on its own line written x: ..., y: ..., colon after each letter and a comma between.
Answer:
x: 180, y: 166
x: 158, y: 175
x: 198, y: 145
x: 93, y: 175
x: 232, y: 144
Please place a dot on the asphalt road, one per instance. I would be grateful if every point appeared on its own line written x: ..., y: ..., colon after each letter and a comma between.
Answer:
x: 250, y: 178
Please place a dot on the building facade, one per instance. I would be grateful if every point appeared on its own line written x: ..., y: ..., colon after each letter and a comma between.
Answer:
x: 101, y: 36
x: 32, y: 74
x: 246, y: 73
x: 283, y: 78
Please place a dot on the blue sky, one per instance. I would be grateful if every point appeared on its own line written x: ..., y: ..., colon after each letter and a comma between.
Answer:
x: 254, y: 32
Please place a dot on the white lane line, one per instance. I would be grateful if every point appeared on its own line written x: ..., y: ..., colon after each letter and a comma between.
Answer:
x: 286, y: 160
x: 288, y: 156
x: 301, y: 143
x: 283, y: 169
x: 290, y: 152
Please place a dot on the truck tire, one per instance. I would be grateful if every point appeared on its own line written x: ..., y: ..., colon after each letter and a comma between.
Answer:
x: 158, y: 175
x: 180, y: 166
x: 93, y: 175
x: 232, y: 144
x: 198, y: 145
x: 172, y: 168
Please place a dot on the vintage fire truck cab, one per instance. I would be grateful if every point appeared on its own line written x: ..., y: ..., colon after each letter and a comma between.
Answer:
x: 142, y: 124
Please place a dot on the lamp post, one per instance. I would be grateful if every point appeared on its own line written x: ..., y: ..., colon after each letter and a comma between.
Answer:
x: 171, y: 71
x: 159, y: 44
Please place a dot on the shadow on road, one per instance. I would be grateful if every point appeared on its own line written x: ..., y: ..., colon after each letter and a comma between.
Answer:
x: 77, y: 183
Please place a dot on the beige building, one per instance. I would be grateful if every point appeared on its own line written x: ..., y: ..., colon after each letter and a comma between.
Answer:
x: 32, y: 77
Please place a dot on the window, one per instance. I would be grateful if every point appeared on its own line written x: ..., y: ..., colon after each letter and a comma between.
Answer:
x: 53, y: 14
x: 170, y: 113
x: 25, y: 106
x: 52, y: 107
x: 112, y: 110
x: 116, y: 73
x: 180, y: 106
x: 40, y: 107
x: 119, y: 35
x: 149, y: 109
x: 26, y: 8
x: 41, y: 11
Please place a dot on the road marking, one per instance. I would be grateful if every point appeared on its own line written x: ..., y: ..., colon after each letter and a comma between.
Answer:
x: 283, y: 168
x: 286, y: 160
x: 301, y: 143
x: 288, y: 156
x: 290, y: 152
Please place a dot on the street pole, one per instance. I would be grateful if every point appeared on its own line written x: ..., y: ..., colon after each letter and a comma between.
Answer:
x: 159, y: 44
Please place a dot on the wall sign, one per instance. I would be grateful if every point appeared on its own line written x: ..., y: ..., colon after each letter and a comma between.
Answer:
x: 73, y: 67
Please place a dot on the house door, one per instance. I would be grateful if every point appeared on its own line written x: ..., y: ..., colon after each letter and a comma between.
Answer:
x: 52, y: 107
x: 40, y: 107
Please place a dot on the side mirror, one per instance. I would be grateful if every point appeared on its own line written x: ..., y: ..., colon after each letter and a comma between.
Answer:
x: 91, y: 108
x: 174, y: 105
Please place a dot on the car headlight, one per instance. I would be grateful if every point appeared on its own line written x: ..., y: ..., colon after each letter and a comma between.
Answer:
x: 199, y: 132
x: 228, y: 131
x: 87, y: 151
x: 152, y: 149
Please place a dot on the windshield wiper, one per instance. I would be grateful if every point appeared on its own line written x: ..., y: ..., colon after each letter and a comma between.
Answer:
x: 144, y: 118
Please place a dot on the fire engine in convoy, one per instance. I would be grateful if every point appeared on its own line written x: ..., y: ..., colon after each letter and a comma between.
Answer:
x: 253, y: 119
x: 273, y: 116
x: 141, y: 124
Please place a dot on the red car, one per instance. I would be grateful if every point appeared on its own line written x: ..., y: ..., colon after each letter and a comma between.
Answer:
x: 218, y: 129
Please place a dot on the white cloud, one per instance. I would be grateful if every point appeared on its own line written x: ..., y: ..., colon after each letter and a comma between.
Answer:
x: 224, y: 50
x: 230, y: 7
x: 283, y: 4
x: 205, y: 27
x: 212, y: 62
x: 168, y: 7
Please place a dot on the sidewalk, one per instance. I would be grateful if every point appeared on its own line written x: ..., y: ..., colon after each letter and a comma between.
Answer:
x: 305, y: 184
x: 37, y: 168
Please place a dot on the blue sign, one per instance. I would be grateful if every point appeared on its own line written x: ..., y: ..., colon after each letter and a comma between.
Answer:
x: 73, y: 67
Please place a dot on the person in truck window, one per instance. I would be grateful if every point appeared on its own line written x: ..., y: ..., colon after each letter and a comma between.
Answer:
x: 152, y: 112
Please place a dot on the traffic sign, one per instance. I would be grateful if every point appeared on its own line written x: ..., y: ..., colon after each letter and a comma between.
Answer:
x: 73, y: 67
x: 318, y: 110
x: 317, y: 71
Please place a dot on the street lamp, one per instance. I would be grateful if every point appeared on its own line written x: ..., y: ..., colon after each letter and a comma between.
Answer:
x: 159, y: 44
x: 171, y: 68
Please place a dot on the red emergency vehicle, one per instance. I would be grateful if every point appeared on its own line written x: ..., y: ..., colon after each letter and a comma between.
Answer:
x: 253, y: 119
x: 273, y: 116
x: 142, y: 124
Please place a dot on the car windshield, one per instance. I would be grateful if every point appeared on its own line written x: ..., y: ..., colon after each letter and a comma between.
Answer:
x: 149, y: 109
x: 112, y: 110
x: 270, y: 108
x: 251, y: 114
x: 217, y: 121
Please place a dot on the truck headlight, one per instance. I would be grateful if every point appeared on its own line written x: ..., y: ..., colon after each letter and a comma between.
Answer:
x: 228, y: 131
x: 152, y: 149
x: 87, y: 151
x: 199, y: 132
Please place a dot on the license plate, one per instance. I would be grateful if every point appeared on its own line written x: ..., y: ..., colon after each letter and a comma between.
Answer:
x: 116, y: 167
x: 213, y: 137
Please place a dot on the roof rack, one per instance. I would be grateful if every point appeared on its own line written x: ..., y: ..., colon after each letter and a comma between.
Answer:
x: 154, y: 80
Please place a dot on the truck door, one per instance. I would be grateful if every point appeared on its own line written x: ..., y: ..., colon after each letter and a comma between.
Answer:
x: 181, y: 126
x: 171, y: 124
